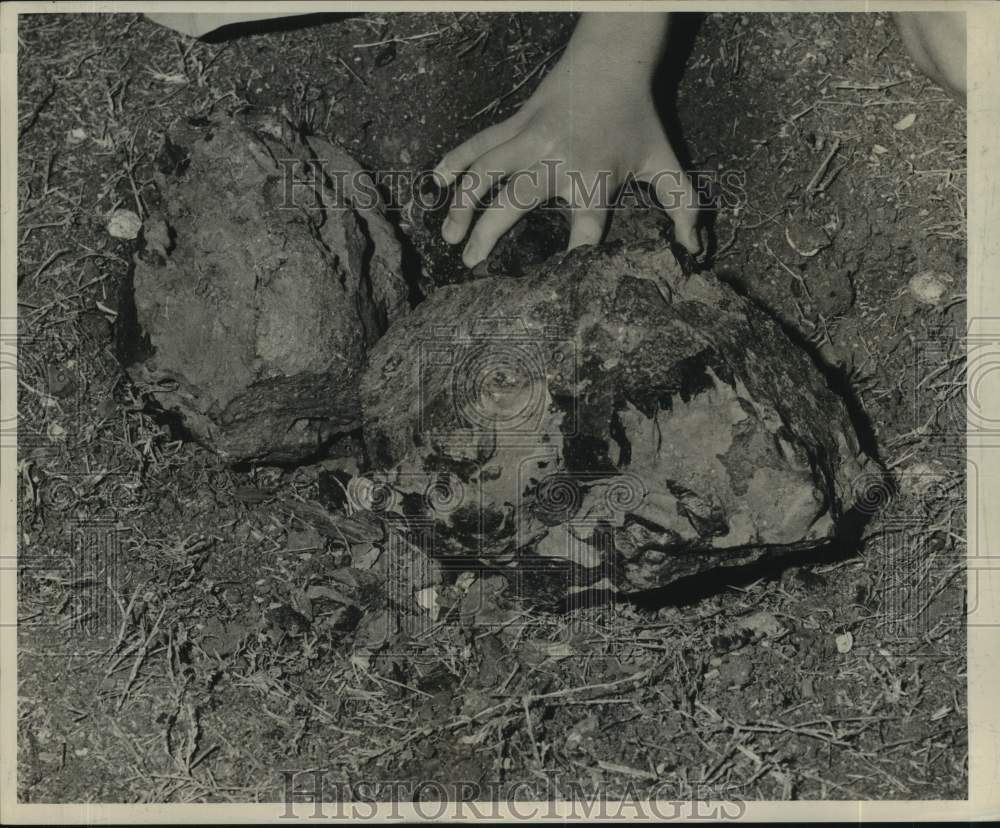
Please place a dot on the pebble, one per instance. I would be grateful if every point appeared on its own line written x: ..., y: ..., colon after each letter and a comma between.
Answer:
x: 929, y: 286
x: 762, y: 623
x: 124, y: 224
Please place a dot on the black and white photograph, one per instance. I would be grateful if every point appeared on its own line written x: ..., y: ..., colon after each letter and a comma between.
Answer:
x: 448, y: 408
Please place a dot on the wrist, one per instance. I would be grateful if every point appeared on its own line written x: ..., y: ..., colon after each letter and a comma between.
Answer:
x: 623, y: 46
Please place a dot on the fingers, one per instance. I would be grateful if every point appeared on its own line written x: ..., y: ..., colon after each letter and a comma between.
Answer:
x: 586, y: 226
x: 676, y: 195
x: 459, y: 159
x: 476, y: 183
x: 523, y: 192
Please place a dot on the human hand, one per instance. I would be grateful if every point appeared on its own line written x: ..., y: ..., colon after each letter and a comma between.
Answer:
x: 587, y: 128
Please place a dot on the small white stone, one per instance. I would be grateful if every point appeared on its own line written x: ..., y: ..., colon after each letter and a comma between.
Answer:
x: 762, y: 623
x: 427, y: 598
x: 464, y: 581
x: 845, y: 641
x: 124, y: 224
x: 929, y: 286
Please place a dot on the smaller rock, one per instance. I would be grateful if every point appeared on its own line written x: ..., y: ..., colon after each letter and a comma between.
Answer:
x: 427, y: 599
x: 76, y: 136
x: 124, y: 224
x: 929, y: 286
x: 761, y: 623
x: 806, y: 239
x: 845, y: 642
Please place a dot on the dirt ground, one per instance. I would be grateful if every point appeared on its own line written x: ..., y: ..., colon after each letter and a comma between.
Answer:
x: 210, y: 648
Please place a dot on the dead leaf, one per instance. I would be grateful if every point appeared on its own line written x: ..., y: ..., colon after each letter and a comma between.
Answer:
x: 365, y: 555
x: 334, y: 594
x: 376, y: 630
x: 303, y: 540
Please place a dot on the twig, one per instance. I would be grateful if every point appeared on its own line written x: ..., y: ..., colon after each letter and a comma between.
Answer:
x: 625, y: 770
x: 139, y: 659
x: 389, y: 40
x: 869, y: 87
x: 821, y: 170
x: 29, y: 122
x: 48, y: 262
x: 526, y: 704
x: 349, y: 69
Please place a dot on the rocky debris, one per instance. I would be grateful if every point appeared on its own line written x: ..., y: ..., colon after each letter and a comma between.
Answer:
x: 541, y: 234
x: 261, y: 281
x: 610, y: 412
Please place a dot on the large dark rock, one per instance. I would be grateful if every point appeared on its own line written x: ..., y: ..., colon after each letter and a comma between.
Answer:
x: 610, y: 411
x: 258, y: 290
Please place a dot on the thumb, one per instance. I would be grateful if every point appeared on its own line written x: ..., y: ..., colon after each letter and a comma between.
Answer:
x: 586, y: 226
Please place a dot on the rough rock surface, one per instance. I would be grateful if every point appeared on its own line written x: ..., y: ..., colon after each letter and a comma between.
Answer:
x: 608, y: 411
x: 258, y: 289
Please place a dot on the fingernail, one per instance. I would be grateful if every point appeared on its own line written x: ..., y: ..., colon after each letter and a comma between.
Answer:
x: 692, y: 242
x: 437, y: 178
x: 471, y: 257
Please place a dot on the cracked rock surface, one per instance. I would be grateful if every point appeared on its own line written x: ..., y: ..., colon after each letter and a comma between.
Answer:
x: 258, y: 289
x: 609, y: 412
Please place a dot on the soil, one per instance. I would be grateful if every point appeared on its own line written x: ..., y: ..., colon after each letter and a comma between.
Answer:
x: 215, y: 661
